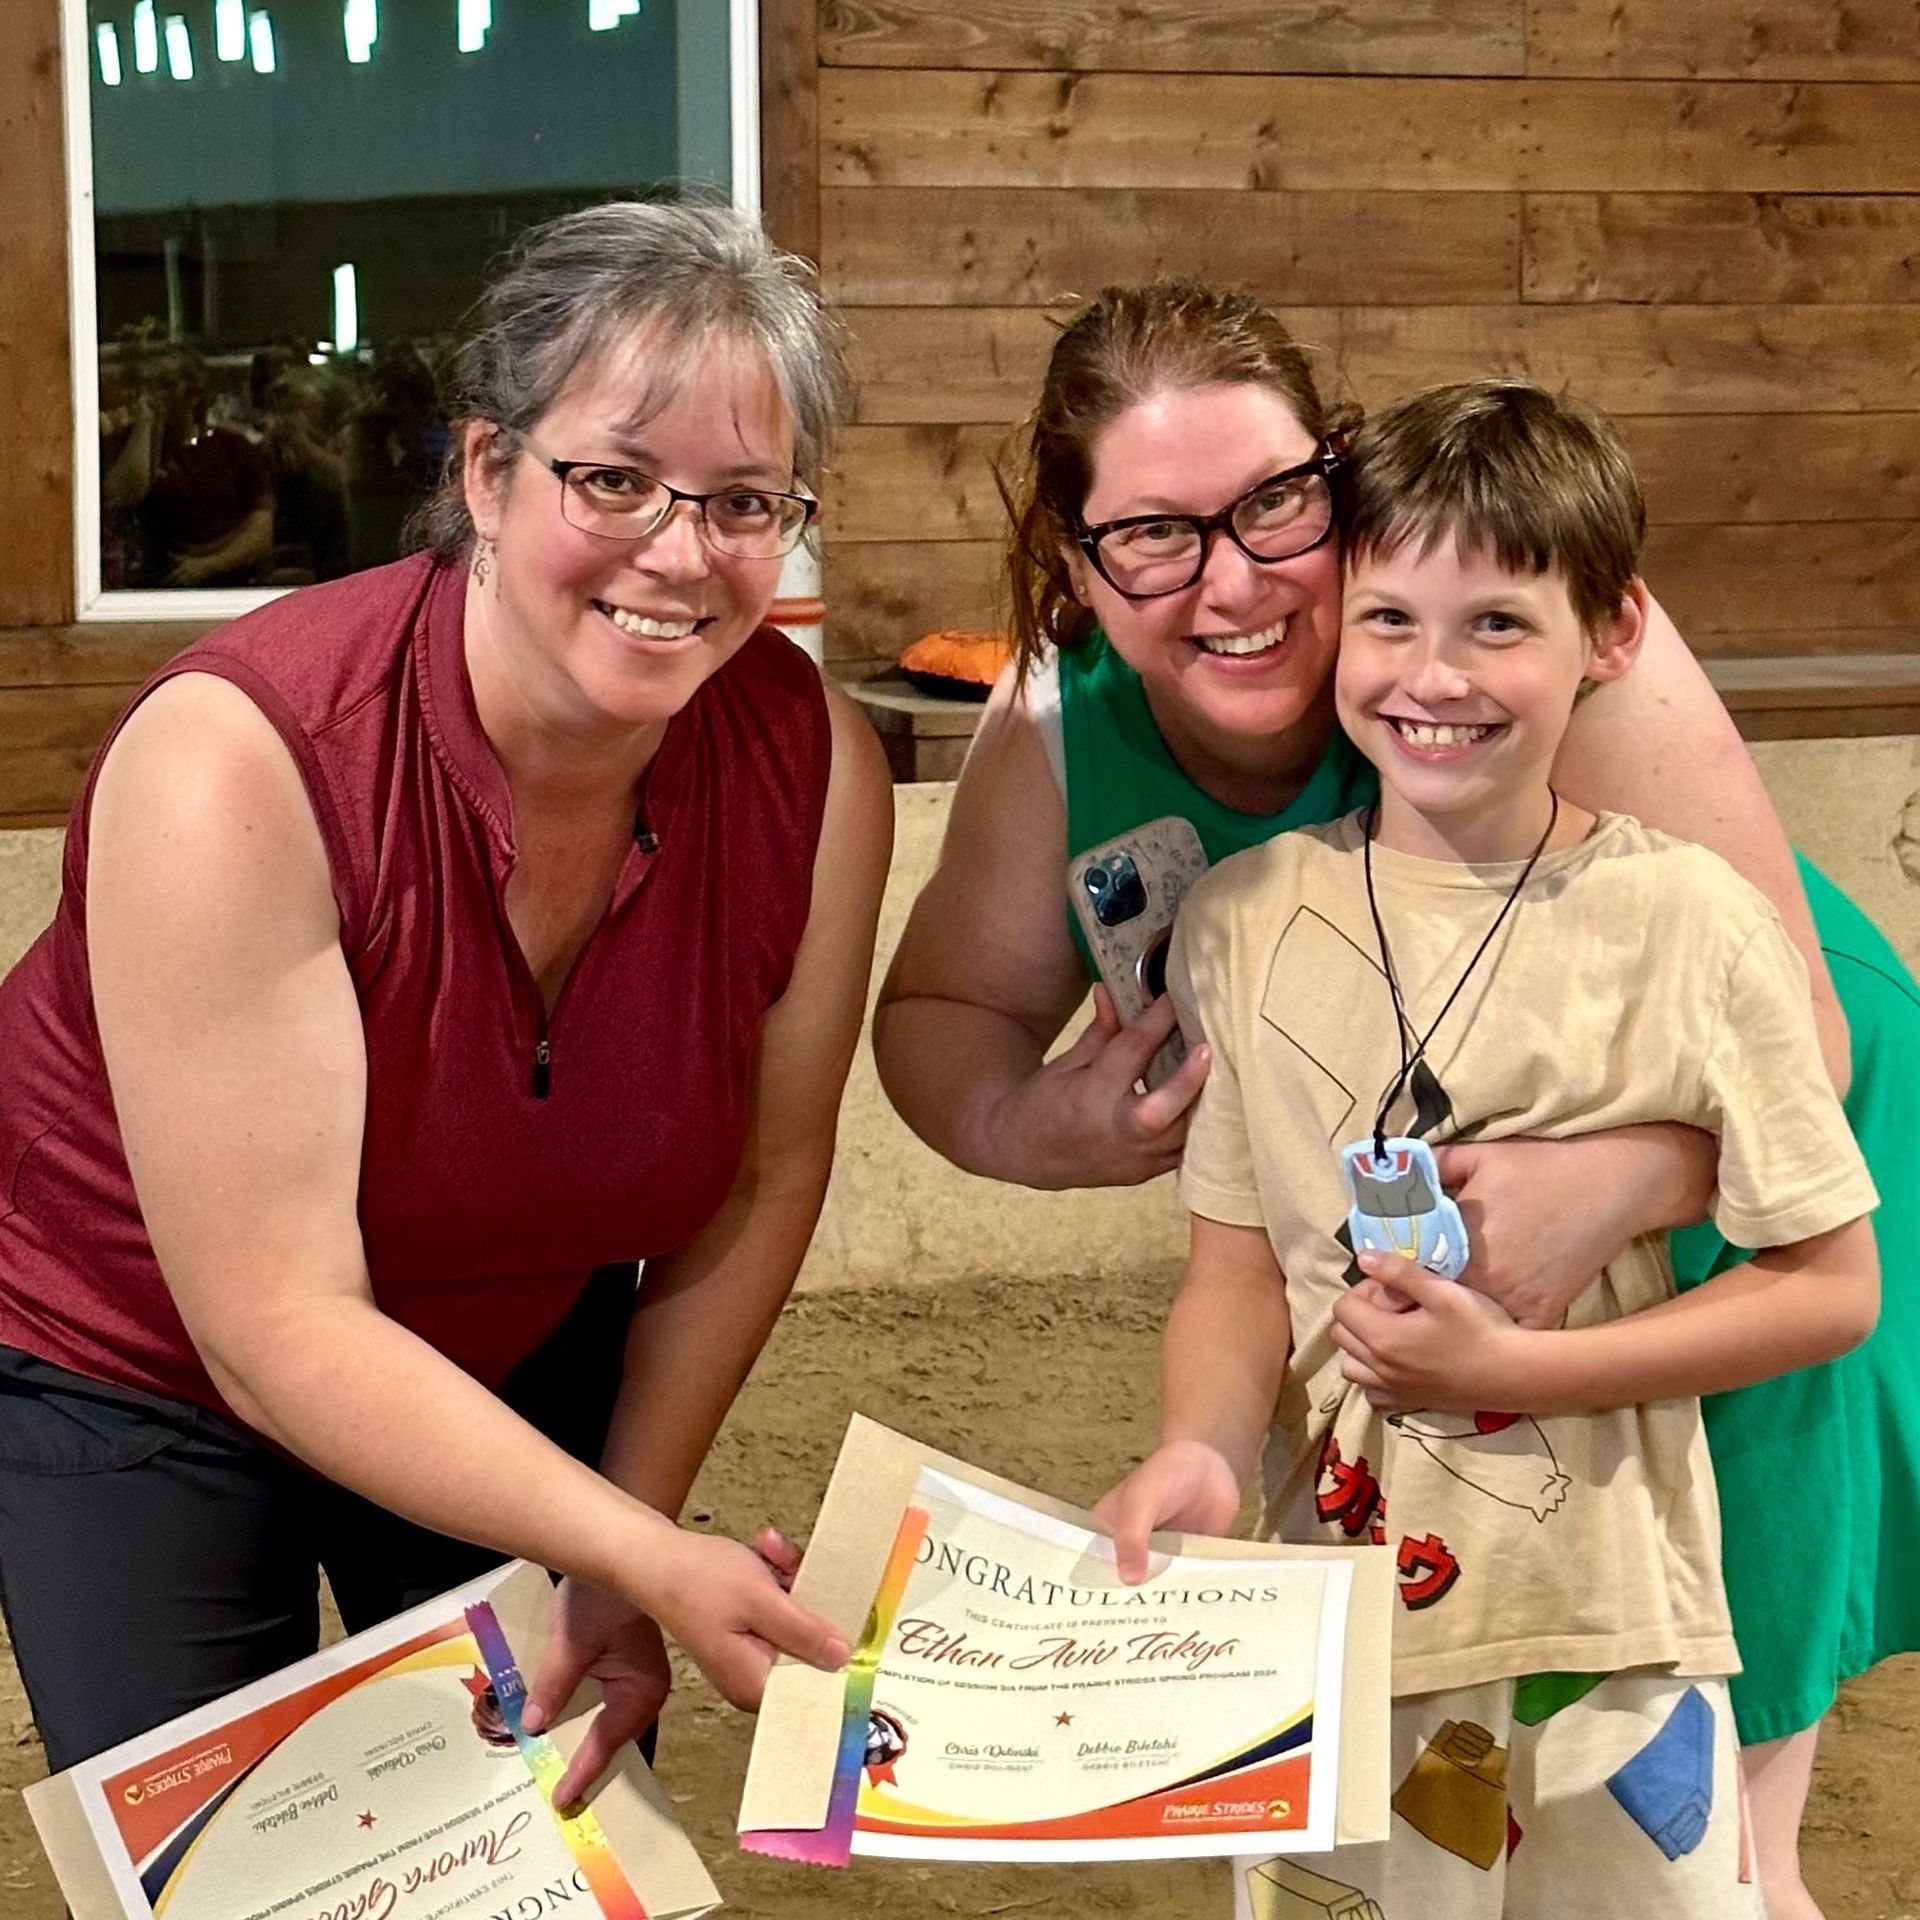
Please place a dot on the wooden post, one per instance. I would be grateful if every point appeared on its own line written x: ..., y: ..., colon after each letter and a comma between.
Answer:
x: 790, y: 124
x: 36, y: 374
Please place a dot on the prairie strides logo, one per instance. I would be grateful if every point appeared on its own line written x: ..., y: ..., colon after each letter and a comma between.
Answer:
x: 1183, y: 1812
x: 181, y: 1774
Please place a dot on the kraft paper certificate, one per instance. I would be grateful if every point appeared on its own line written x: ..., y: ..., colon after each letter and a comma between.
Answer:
x: 1010, y: 1698
x: 388, y: 1778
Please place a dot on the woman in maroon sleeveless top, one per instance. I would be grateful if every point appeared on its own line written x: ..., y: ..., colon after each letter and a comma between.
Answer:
x: 435, y: 944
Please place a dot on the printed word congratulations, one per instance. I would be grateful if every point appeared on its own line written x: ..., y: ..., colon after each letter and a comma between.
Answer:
x: 992, y: 1576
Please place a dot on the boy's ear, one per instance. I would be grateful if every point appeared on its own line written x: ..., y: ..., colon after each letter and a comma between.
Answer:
x: 1616, y: 645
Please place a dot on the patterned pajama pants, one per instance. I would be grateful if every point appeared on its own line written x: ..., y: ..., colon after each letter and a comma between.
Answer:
x: 1555, y: 1797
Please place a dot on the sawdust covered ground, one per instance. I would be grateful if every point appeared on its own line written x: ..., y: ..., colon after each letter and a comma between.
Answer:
x: 1053, y: 1386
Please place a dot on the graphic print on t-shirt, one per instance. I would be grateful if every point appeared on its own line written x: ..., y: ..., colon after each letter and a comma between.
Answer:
x: 1505, y: 1456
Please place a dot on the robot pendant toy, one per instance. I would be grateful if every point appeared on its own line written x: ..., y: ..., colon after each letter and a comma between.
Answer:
x: 1400, y: 1207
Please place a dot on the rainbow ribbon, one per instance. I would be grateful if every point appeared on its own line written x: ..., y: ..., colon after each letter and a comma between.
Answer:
x: 831, y: 1845
x: 591, y: 1850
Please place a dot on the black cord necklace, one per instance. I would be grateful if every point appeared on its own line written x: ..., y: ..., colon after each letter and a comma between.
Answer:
x: 1411, y: 1063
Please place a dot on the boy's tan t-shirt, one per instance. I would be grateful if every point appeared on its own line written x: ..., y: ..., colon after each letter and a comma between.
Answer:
x: 1637, y: 978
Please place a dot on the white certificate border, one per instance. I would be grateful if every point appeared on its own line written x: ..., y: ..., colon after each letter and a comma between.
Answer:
x: 1318, y: 1835
x: 89, y: 1776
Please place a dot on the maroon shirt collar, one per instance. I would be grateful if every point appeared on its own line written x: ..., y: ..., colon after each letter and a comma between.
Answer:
x: 459, y: 741
x: 465, y: 753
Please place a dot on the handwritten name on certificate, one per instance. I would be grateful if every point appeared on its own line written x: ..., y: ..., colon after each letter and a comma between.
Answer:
x: 1025, y: 1704
x: 379, y: 1780
x: 405, y: 1799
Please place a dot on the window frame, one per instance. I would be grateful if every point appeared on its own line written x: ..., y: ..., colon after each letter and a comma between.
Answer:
x: 95, y: 603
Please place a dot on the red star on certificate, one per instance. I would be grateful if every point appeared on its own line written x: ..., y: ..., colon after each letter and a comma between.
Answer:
x: 1063, y: 1719
x: 366, y: 1819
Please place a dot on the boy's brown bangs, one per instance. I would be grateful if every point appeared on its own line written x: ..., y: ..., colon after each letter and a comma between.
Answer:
x: 1531, y: 481
x: 1510, y: 545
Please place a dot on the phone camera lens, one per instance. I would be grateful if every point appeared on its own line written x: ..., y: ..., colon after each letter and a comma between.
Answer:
x: 1124, y: 897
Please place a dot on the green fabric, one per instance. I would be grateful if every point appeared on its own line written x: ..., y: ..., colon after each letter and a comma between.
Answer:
x: 1819, y: 1473
x: 1539, y: 1696
x: 1119, y: 772
x: 1831, y: 1455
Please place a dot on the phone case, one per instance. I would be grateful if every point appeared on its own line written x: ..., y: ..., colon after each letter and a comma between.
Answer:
x: 1124, y: 894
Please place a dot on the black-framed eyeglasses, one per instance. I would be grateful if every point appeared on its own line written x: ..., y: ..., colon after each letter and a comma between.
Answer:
x: 1286, y: 514
x: 622, y: 503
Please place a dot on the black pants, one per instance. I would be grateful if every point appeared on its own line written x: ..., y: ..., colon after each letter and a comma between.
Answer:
x: 154, y: 1557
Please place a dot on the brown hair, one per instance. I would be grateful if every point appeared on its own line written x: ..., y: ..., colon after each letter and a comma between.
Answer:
x: 1125, y: 345
x: 1538, y: 482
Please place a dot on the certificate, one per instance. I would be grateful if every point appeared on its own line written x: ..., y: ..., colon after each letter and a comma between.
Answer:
x: 1010, y: 1698
x: 387, y: 1778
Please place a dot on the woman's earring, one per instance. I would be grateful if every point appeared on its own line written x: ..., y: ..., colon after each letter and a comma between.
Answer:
x: 482, y: 561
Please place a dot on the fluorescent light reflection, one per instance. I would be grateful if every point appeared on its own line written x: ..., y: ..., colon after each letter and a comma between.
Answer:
x: 475, y: 23
x: 604, y: 15
x: 146, y: 38
x: 346, y: 308
x: 230, y: 29
x: 107, y: 39
x: 260, y: 40
x: 360, y: 21
x: 179, y: 48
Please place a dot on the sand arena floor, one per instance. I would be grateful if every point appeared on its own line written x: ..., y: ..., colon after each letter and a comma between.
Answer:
x: 1054, y: 1386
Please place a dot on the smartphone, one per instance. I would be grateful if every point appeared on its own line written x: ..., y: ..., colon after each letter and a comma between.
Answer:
x: 1124, y: 894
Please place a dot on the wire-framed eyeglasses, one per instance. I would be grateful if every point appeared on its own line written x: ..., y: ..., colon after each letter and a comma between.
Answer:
x: 1149, y: 554
x: 622, y: 503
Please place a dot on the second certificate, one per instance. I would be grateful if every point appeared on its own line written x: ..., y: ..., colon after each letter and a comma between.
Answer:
x: 1025, y: 1704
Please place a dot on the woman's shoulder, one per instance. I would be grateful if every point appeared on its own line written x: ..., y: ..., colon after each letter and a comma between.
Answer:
x: 195, y: 728
x: 322, y: 651
x: 759, y: 740
x: 860, y: 788
x: 1042, y: 704
x: 390, y: 596
x: 227, y: 737
x: 856, y: 824
x: 1004, y: 844
x: 1015, y: 750
x: 771, y: 697
x: 200, y: 778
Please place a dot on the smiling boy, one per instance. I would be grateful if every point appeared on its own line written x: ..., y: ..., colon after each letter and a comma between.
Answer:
x: 1477, y: 957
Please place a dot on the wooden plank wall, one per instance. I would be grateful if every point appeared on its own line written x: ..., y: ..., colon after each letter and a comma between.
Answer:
x: 1703, y: 216
x: 61, y: 684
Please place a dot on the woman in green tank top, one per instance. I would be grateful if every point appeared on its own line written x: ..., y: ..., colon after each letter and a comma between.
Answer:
x: 1214, y: 702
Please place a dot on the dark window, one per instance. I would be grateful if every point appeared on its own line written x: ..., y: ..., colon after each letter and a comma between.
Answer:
x: 294, y: 204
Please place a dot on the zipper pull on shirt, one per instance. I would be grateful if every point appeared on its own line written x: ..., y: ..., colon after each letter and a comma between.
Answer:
x: 542, y: 1068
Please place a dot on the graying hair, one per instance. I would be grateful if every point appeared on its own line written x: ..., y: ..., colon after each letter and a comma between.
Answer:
x: 690, y: 275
